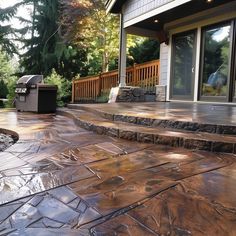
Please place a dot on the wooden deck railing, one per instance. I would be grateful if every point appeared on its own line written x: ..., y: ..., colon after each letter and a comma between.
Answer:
x: 144, y: 75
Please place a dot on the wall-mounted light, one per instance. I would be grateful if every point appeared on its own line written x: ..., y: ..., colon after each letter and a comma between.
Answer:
x: 209, y: 1
x: 156, y: 21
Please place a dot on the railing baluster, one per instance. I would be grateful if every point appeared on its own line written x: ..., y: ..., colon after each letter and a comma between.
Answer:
x: 144, y: 75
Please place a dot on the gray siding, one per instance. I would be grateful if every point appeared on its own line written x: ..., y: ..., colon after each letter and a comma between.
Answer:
x: 134, y: 8
x: 164, y: 49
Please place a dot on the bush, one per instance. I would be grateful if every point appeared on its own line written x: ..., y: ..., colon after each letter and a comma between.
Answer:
x: 104, y: 98
x: 11, y: 86
x: 64, y: 87
x: 3, y: 89
x: 1, y: 104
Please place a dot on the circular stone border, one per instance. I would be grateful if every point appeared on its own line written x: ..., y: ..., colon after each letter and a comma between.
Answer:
x: 11, y: 136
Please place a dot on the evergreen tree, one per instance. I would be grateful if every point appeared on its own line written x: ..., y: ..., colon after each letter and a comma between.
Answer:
x: 147, y: 50
x: 3, y: 89
x: 45, y: 49
x: 6, y: 31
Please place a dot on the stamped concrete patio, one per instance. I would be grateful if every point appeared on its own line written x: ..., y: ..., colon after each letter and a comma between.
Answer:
x: 60, y: 179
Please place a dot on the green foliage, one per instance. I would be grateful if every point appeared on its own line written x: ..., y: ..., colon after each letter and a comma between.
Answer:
x: 64, y: 87
x: 147, y: 50
x: 6, y: 78
x: 3, y: 89
x: 46, y: 49
x: 6, y: 69
x: 11, y: 86
x: 6, y: 30
x: 103, y: 98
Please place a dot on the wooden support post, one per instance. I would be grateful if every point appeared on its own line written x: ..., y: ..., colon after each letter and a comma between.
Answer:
x: 73, y: 92
x: 122, y: 58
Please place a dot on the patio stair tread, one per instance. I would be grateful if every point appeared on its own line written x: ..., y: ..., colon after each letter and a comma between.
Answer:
x: 158, y: 135
x: 183, y: 120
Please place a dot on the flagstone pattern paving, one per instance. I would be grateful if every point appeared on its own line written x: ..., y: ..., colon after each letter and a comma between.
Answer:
x: 60, y: 179
x: 192, y: 126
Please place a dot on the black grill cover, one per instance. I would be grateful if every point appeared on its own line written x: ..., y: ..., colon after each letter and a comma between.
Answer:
x: 30, y: 80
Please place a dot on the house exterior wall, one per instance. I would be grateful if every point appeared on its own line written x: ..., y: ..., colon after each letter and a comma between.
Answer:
x: 138, y: 10
x: 134, y: 8
x: 164, y: 61
x: 195, y: 22
x: 135, y: 11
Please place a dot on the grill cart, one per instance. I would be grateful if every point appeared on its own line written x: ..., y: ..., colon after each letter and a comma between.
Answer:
x: 33, y: 95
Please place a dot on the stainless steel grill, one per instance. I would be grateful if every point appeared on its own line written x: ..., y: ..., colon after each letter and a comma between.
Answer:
x: 33, y: 95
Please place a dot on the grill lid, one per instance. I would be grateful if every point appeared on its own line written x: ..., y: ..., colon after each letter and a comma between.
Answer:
x: 30, y: 79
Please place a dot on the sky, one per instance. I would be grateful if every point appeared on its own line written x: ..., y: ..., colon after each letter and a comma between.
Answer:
x: 22, y: 11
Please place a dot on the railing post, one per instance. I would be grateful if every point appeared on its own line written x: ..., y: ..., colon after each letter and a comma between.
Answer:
x: 100, y: 85
x: 135, y: 82
x: 73, y: 92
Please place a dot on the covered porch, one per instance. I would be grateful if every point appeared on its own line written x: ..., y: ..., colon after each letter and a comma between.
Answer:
x: 190, y: 68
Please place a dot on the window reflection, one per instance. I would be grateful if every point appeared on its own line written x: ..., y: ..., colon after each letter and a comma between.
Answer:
x: 182, y: 65
x: 216, y: 61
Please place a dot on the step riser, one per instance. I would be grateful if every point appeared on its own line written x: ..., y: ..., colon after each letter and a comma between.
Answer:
x: 181, y: 125
x: 187, y: 143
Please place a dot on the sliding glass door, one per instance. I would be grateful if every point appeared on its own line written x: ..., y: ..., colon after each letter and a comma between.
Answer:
x: 216, y: 63
x: 183, y: 62
x: 233, y: 63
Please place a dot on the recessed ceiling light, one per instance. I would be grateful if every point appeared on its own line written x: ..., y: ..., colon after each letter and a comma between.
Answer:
x: 156, y: 21
x: 208, y: 1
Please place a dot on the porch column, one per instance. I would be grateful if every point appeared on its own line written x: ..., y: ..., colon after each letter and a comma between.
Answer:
x: 122, y: 56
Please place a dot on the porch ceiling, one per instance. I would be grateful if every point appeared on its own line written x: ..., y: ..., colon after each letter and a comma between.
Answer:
x: 182, y: 11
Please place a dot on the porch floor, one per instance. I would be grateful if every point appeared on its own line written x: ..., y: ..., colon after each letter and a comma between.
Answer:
x: 60, y: 179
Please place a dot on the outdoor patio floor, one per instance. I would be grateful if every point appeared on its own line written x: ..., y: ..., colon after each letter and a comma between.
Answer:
x: 180, y: 111
x: 60, y: 179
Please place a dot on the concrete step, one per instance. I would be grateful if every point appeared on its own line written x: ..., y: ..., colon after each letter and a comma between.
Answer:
x: 151, y: 120
x: 157, y: 135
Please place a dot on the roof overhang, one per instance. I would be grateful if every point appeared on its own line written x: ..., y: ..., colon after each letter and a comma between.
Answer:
x: 114, y: 6
x: 185, y: 10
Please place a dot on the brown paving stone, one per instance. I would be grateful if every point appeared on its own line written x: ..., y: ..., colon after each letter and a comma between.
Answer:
x: 8, y: 160
x: 85, y: 186
x: 57, y: 211
x: 7, y: 210
x: 174, y: 211
x: 64, y: 194
x: 24, y: 216
x: 107, y: 177
x: 144, y: 159
x: 129, y: 163
x: 216, y: 186
x: 122, y: 225
x: 49, y: 232
x: 115, y: 193
x: 182, y: 171
x: 20, y: 186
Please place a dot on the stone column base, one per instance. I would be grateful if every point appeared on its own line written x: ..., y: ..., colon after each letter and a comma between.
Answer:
x: 127, y: 94
x: 161, y: 93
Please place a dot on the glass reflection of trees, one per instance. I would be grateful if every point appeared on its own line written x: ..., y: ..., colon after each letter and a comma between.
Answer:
x: 216, y: 61
x: 182, y: 72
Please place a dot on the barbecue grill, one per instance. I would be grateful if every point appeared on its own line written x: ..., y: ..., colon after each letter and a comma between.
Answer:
x: 33, y: 95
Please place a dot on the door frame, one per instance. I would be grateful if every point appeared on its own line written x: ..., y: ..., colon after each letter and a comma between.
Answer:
x: 229, y: 95
x: 179, y: 97
x: 232, y: 92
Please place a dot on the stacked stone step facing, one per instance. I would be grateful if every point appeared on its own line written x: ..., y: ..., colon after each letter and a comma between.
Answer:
x: 109, y: 125
x: 165, y: 123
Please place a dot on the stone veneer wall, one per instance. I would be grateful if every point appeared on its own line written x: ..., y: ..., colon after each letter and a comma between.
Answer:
x: 130, y: 94
x: 160, y: 93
